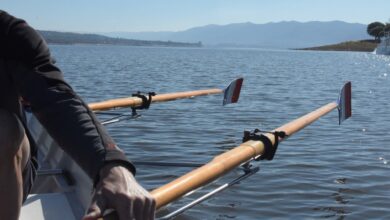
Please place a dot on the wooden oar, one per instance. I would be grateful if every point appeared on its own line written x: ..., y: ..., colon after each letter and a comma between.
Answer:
x: 229, y: 160
x: 232, y: 93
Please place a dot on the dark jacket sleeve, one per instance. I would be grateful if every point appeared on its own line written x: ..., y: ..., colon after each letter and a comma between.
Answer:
x: 59, y: 109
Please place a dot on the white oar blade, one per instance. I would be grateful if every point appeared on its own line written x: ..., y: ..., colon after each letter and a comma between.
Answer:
x: 344, y: 102
x: 232, y: 92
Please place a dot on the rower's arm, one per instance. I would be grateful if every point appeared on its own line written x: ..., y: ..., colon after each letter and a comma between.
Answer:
x: 60, y: 110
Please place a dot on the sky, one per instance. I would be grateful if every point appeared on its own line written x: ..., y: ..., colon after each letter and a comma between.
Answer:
x: 176, y: 15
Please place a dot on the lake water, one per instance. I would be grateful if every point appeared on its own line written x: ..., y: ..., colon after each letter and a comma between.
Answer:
x: 324, y: 171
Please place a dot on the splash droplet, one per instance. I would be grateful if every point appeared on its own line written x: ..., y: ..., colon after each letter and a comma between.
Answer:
x: 341, y: 180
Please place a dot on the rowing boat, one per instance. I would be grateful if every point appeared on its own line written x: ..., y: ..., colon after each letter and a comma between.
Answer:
x: 384, y: 46
x: 62, y: 188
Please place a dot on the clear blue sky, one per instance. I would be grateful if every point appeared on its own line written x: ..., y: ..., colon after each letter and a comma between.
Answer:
x: 174, y: 15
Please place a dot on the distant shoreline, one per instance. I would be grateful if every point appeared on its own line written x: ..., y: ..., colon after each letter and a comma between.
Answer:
x: 67, y: 38
x: 356, y: 46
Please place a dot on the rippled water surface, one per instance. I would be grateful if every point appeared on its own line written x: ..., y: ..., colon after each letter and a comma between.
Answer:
x: 324, y: 171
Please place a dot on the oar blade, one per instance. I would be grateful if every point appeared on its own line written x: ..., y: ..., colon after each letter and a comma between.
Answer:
x: 345, y: 103
x: 232, y: 92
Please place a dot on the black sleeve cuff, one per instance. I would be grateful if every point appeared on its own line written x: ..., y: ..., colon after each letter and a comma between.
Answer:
x: 117, y: 157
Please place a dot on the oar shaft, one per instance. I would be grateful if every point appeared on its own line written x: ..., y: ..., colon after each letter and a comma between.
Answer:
x: 227, y: 161
x: 299, y: 123
x: 135, y: 101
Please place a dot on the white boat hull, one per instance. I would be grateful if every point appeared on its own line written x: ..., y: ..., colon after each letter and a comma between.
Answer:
x: 384, y: 47
x: 61, y: 190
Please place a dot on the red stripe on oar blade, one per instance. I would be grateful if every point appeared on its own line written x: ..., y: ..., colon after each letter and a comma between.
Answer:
x: 345, y: 103
x: 232, y: 92
x: 237, y: 90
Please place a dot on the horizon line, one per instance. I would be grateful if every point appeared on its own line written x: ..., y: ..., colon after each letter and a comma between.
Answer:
x: 171, y: 31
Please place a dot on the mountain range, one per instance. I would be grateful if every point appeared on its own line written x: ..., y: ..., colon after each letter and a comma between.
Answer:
x: 286, y: 34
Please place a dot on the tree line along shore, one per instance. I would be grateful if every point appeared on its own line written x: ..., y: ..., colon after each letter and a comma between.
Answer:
x: 375, y: 29
x: 358, y: 46
x: 55, y: 37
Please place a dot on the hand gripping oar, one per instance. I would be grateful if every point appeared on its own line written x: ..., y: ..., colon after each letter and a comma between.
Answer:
x: 231, y: 95
x: 250, y: 149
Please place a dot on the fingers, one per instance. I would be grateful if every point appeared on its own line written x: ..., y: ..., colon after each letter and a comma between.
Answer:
x: 139, y: 208
x: 96, y: 208
x: 92, y: 216
x: 150, y: 209
x: 93, y: 213
x: 123, y: 193
x: 124, y: 209
x: 146, y: 211
x: 113, y: 215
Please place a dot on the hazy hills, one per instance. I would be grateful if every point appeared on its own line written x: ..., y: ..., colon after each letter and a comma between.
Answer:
x: 289, y: 34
